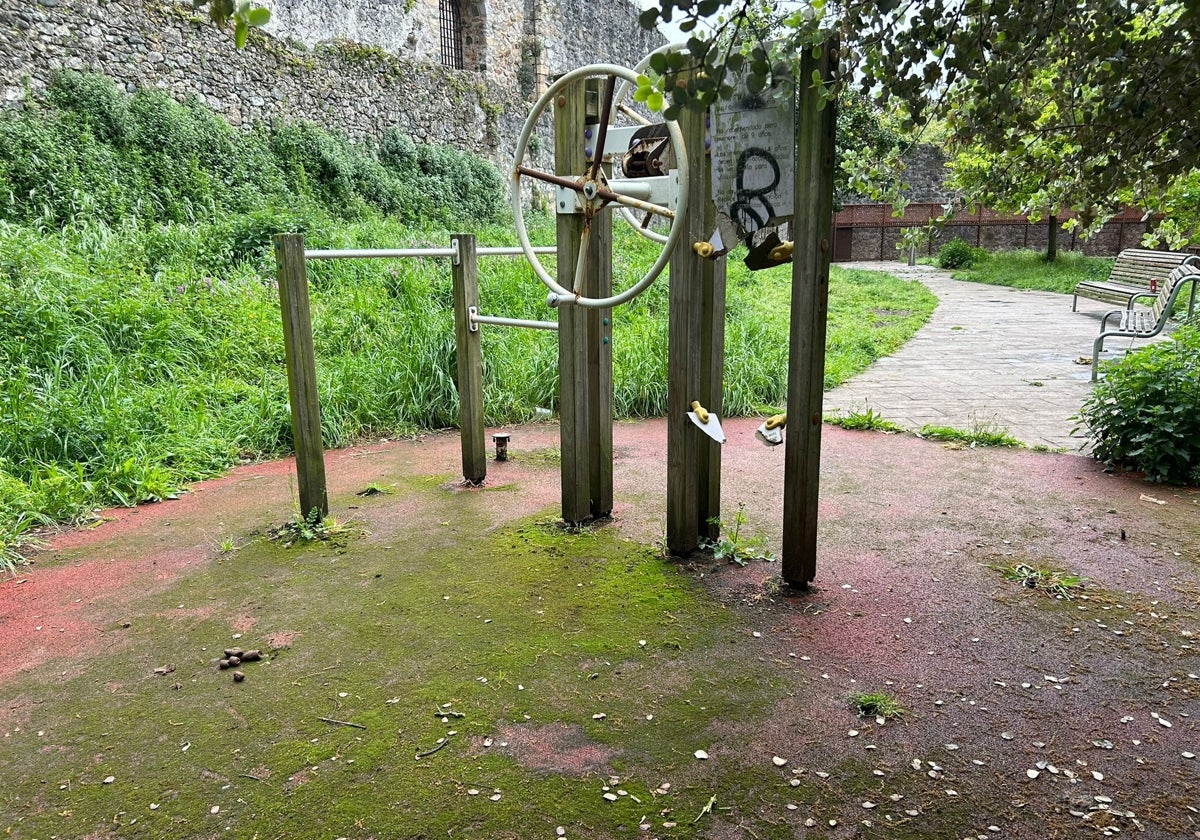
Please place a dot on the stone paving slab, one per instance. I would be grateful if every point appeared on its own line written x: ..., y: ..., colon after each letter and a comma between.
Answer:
x: 988, y: 356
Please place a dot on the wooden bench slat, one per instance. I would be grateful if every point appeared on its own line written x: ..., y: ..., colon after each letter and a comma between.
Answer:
x: 1134, y: 273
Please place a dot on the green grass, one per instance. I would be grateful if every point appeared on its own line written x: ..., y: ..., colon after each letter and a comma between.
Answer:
x: 866, y: 420
x: 978, y: 435
x: 877, y: 704
x: 1029, y: 270
x: 1053, y: 582
x: 871, y: 314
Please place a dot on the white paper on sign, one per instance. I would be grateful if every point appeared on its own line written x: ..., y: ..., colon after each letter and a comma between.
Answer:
x: 753, y: 159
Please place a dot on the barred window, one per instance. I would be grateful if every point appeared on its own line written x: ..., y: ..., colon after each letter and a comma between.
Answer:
x: 452, y: 38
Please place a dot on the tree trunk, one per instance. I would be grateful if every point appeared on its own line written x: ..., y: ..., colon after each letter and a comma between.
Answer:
x: 1052, y: 239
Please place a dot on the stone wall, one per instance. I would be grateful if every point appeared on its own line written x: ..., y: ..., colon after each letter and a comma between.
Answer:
x: 925, y: 173
x: 580, y: 33
x: 867, y: 232
x: 358, y: 66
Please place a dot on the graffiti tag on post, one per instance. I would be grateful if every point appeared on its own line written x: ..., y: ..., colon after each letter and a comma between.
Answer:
x: 753, y: 153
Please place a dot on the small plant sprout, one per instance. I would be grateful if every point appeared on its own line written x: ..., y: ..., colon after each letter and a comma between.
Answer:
x: 735, y: 546
x: 877, y: 704
x: 310, y: 529
x: 227, y: 545
x: 1056, y: 583
x: 868, y: 421
x: 375, y: 489
x: 980, y: 434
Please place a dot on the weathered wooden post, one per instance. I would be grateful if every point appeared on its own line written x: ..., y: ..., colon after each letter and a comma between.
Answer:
x: 584, y: 334
x: 712, y: 330
x: 300, y: 357
x: 696, y: 347
x: 599, y: 375
x: 812, y: 227
x: 465, y: 272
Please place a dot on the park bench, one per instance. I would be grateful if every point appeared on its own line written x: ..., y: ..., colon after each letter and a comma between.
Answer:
x: 1147, y: 323
x: 1135, y: 273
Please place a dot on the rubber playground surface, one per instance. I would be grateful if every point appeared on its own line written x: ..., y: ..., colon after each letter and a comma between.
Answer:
x: 454, y: 664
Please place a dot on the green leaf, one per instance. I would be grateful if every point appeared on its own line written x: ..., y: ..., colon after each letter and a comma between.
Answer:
x: 658, y: 62
x: 240, y: 32
x: 654, y: 101
x: 648, y: 18
x: 259, y: 16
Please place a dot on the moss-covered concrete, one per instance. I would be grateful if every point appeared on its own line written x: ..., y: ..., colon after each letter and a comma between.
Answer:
x: 565, y: 663
x: 514, y: 630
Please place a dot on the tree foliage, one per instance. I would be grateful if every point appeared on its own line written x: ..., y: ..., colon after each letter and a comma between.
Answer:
x: 1096, y: 93
x: 242, y: 15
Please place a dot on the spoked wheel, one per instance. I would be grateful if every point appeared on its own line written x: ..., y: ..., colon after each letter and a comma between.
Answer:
x: 623, y: 104
x: 594, y: 193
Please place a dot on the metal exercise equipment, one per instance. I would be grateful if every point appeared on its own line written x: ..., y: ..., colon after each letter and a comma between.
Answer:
x: 593, y: 189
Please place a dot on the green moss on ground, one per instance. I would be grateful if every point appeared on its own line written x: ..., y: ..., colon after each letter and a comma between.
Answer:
x: 519, y: 631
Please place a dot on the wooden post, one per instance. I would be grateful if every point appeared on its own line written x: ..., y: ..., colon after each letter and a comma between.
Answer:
x: 465, y: 271
x: 810, y: 304
x: 292, y: 278
x: 712, y: 329
x: 685, y: 449
x: 570, y: 113
x: 599, y: 373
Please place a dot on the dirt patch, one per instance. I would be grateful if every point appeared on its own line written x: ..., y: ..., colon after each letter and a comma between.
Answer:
x: 243, y: 623
x: 557, y: 748
x: 282, y: 639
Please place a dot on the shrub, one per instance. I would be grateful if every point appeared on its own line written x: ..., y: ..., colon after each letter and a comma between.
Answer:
x: 1145, y: 414
x: 958, y: 254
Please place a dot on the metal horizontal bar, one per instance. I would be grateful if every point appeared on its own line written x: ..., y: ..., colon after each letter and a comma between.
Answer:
x: 381, y: 253
x: 514, y: 251
x: 513, y: 322
x: 402, y: 253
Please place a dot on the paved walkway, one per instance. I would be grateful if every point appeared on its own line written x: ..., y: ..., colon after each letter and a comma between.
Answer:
x: 988, y: 356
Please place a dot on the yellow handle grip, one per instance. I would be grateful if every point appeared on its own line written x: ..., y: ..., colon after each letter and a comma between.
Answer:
x: 701, y: 413
x: 782, y: 252
x: 704, y: 249
x: 777, y: 421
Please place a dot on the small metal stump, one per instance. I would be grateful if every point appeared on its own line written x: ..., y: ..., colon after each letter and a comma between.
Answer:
x: 501, y: 441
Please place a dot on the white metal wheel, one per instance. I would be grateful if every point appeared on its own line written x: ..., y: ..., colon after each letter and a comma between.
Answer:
x: 620, y: 103
x: 594, y: 191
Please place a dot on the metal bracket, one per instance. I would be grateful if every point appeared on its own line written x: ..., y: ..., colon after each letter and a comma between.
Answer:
x: 457, y: 249
x: 662, y: 190
x: 472, y: 313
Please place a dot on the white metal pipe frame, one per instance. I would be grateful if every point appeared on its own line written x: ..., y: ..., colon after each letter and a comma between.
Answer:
x: 476, y: 319
x: 404, y: 253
